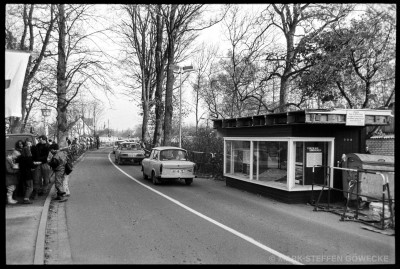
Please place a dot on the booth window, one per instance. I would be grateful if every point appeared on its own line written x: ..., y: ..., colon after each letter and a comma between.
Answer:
x: 267, y: 161
x: 240, y: 163
x: 228, y: 156
x: 270, y: 161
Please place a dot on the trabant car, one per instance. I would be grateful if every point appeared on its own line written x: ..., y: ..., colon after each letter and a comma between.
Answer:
x: 129, y: 152
x: 116, y: 144
x: 168, y: 163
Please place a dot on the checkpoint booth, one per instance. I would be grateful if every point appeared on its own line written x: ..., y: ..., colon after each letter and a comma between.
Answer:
x: 274, y: 154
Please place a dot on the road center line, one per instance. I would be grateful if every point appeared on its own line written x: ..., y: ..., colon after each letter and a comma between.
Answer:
x: 239, y: 234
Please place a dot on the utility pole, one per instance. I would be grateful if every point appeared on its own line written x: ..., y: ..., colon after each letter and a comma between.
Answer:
x: 181, y: 69
x: 94, y: 120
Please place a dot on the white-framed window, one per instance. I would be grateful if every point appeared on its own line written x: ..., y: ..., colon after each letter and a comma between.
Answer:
x: 290, y: 163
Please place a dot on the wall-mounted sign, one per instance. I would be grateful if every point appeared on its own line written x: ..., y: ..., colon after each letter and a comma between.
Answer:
x: 313, y: 156
x: 355, y: 118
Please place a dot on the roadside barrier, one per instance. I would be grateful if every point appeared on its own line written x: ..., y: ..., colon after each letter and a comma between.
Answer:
x: 207, y: 164
x: 381, y: 211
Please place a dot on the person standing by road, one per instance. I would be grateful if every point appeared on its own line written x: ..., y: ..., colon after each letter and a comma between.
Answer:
x: 19, y: 145
x: 27, y: 168
x: 67, y: 151
x: 42, y: 171
x: 57, y: 163
x: 12, y: 175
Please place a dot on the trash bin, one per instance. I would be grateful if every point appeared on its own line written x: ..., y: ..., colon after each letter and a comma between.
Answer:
x: 369, y: 184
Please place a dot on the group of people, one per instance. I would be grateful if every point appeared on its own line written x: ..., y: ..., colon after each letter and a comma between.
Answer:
x: 28, y: 166
x: 85, y: 142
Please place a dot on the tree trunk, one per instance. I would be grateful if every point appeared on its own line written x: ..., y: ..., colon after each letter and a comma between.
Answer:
x: 283, y: 94
x: 367, y: 93
x: 62, y: 130
x: 159, y: 106
x: 170, y: 78
x: 169, y: 109
x: 145, y: 107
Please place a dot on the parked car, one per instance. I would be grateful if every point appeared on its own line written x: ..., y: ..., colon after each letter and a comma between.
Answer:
x: 168, y: 163
x: 129, y: 152
x: 116, y: 144
x: 11, y: 139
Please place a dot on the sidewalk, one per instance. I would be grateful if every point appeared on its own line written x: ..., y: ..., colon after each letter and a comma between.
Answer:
x: 25, y: 230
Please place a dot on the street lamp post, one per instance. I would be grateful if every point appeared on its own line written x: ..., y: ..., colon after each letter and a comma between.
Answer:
x: 181, y: 69
x: 45, y: 114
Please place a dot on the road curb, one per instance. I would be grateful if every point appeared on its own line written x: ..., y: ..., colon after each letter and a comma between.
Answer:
x: 40, y: 239
x: 41, y: 235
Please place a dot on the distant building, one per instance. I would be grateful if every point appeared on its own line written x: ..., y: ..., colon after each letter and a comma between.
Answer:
x: 83, y: 127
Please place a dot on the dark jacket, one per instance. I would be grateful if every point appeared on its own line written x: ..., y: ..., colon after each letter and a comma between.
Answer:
x: 61, y: 157
x: 40, y: 152
x: 25, y: 166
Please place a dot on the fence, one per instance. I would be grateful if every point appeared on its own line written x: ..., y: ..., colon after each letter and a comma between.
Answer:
x: 75, y: 151
x: 354, y: 185
x: 207, y: 164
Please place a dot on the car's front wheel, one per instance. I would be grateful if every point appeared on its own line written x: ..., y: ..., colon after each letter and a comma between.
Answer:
x: 188, y: 181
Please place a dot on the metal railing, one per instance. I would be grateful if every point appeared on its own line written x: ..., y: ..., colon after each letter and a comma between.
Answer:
x: 354, y: 186
x: 207, y: 164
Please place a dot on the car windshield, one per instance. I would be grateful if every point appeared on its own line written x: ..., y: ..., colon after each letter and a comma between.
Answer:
x: 130, y: 147
x: 173, y: 154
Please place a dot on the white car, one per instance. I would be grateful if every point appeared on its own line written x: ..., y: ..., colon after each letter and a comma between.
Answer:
x: 168, y: 163
x: 116, y: 144
x: 129, y: 152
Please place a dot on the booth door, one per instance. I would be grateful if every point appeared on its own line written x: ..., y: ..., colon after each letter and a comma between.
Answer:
x: 316, y: 153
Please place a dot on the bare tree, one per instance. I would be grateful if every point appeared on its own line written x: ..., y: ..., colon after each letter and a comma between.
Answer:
x: 203, y: 61
x: 313, y: 18
x: 160, y: 63
x: 354, y: 64
x: 182, y: 25
x: 78, y: 66
x: 31, y: 27
x: 248, y: 67
x: 140, y: 32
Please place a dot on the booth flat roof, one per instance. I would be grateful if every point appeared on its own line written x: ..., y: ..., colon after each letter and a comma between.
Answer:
x: 349, y: 117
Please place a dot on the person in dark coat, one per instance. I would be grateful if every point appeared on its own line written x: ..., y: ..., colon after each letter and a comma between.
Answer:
x: 27, y: 166
x: 42, y: 172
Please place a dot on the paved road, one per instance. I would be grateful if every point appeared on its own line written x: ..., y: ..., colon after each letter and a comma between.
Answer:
x: 114, y: 216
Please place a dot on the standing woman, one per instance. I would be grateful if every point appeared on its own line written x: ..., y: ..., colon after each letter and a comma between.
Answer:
x: 27, y: 166
x: 12, y: 175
